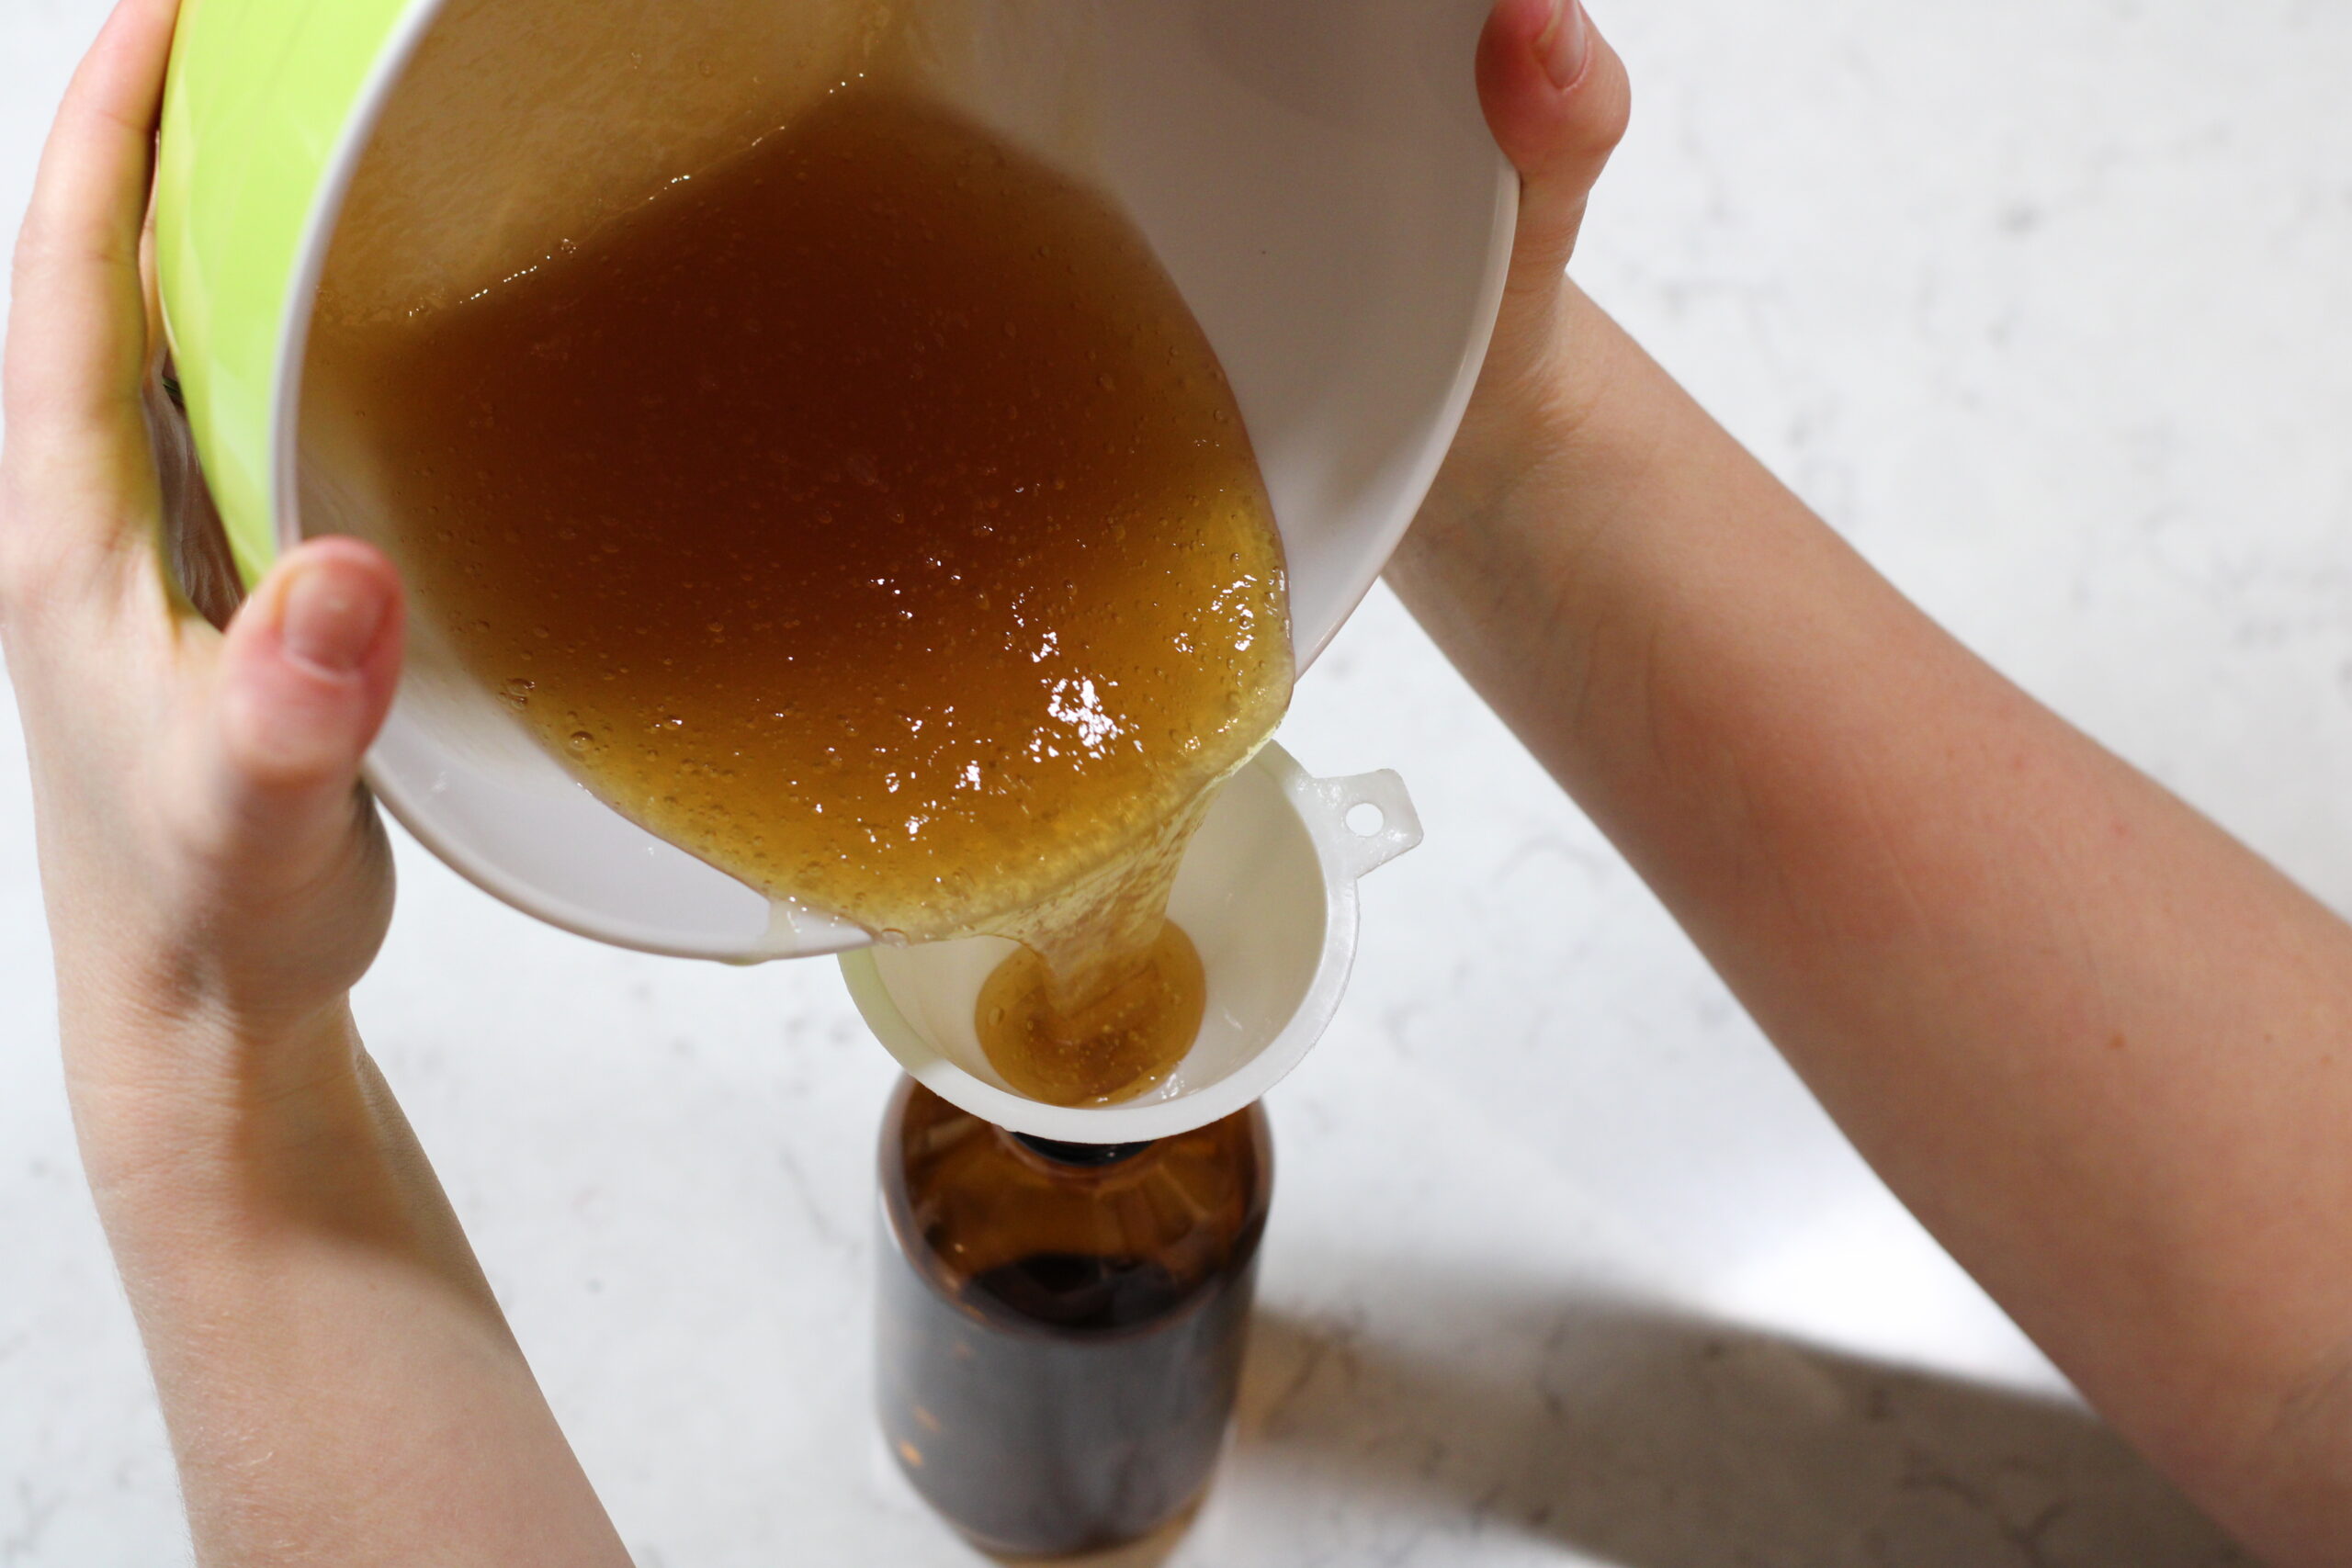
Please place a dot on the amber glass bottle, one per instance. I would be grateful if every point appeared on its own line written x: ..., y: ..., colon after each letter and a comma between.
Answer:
x: 1062, y: 1325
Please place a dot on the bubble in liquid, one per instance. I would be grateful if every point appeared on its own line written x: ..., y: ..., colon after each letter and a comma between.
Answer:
x: 581, y: 740
x: 517, y: 692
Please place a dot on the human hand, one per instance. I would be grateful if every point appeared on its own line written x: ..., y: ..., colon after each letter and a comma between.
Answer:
x: 215, y: 878
x: 1557, y: 100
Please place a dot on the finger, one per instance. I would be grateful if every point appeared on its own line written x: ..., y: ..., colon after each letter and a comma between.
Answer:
x: 77, y: 331
x: 1557, y: 99
x: 306, y: 674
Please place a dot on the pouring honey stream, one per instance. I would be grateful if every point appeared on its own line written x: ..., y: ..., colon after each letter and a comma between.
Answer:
x: 868, y: 516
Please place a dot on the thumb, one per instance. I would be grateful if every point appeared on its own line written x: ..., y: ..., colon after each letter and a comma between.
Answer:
x: 306, y: 674
x: 1557, y: 100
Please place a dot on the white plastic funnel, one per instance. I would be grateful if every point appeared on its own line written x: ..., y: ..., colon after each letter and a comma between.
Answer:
x: 1266, y: 893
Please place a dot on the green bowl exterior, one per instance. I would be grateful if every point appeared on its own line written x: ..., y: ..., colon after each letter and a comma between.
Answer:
x: 254, y: 114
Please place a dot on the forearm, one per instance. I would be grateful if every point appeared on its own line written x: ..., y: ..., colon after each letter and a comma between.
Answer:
x: 2087, y: 1037
x: 340, y: 1385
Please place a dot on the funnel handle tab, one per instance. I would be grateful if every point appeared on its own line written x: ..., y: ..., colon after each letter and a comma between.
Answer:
x: 1362, y: 848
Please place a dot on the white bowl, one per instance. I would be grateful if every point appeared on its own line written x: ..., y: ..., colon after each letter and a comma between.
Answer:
x: 1315, y: 173
x: 1268, y: 893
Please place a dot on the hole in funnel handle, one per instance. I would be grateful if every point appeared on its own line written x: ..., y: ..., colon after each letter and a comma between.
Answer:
x: 1369, y: 819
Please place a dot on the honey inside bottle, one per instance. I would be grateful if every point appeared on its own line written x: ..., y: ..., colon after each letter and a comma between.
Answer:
x: 868, y: 516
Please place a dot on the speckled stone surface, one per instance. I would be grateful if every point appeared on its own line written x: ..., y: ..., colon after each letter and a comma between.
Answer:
x: 2048, y: 305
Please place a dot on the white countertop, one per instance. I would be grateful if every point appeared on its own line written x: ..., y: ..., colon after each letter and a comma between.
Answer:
x: 2047, y: 304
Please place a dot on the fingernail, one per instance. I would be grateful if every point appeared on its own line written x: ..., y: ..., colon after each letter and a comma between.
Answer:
x: 1564, y: 43
x: 332, y: 616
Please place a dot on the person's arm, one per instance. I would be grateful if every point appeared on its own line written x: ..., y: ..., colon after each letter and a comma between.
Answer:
x: 339, y: 1385
x: 2100, y: 1048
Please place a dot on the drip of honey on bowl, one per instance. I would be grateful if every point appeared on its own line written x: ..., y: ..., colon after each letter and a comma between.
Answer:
x: 868, y: 516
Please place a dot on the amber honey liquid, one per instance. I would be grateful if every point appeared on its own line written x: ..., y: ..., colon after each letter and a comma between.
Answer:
x: 870, y: 517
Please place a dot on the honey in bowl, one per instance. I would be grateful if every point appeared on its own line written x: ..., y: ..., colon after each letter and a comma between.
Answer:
x: 868, y: 516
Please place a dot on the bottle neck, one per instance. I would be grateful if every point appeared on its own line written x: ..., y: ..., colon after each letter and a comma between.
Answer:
x: 1080, y: 1156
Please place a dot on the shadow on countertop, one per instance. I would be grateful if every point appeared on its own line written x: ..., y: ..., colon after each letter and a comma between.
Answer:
x: 1650, y: 1440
